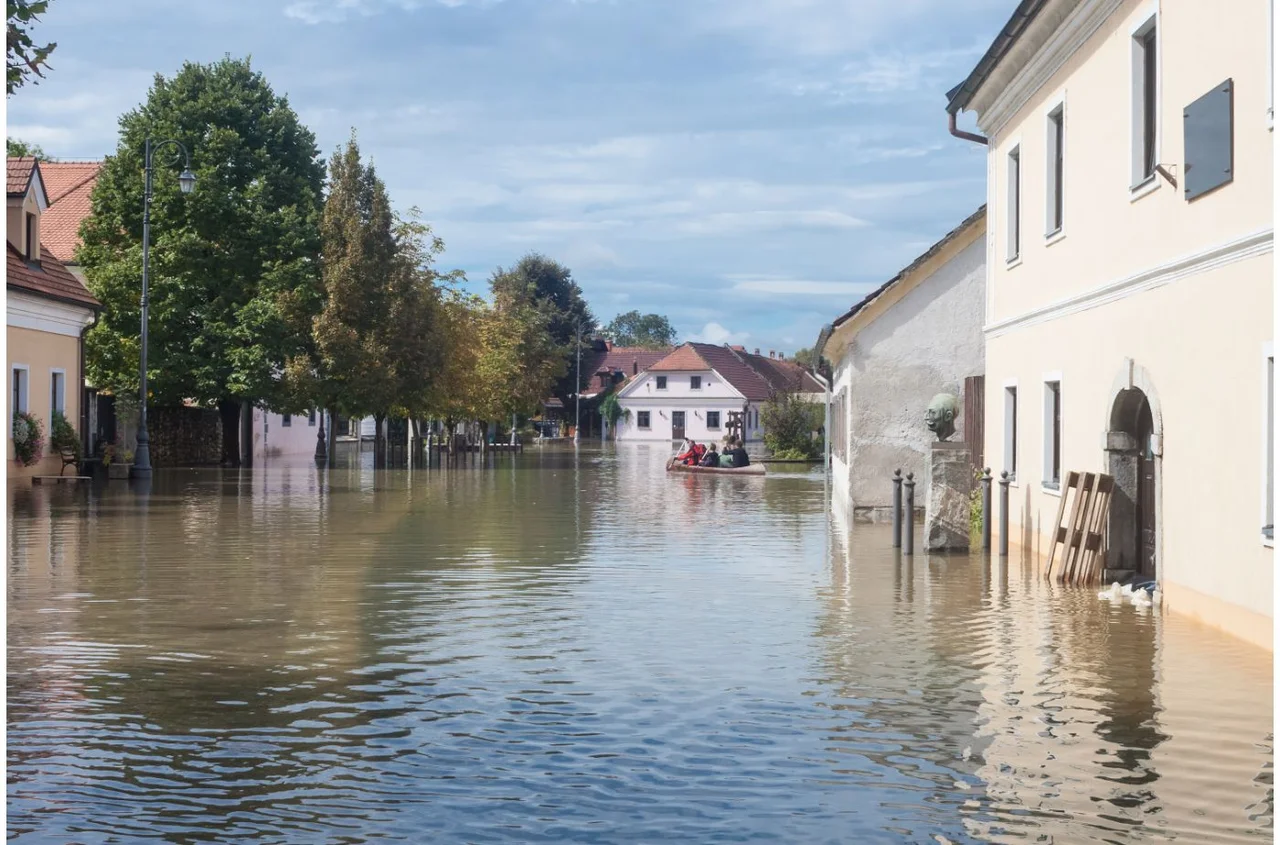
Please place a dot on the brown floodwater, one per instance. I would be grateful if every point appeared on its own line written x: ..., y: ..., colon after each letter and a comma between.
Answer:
x: 561, y: 648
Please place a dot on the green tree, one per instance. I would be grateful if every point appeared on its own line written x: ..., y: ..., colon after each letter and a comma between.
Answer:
x: 789, y: 424
x: 24, y: 58
x: 519, y: 360
x: 651, y: 331
x: 234, y: 266
x: 548, y: 287
x: 19, y: 149
x: 807, y: 358
x: 353, y: 356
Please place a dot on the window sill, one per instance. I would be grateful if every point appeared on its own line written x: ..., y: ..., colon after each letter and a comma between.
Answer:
x: 1051, y: 489
x: 1010, y: 263
x: 1147, y: 186
x: 1054, y: 236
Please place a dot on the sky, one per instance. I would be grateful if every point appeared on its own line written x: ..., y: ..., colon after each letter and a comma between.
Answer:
x: 748, y: 168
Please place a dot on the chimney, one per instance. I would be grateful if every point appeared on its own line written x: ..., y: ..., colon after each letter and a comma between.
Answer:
x: 771, y: 354
x: 757, y: 350
x: 635, y: 366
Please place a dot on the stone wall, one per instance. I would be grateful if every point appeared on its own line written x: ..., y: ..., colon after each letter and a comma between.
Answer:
x: 185, y: 437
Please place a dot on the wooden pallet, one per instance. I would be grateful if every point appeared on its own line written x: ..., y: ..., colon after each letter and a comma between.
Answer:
x: 1083, y: 537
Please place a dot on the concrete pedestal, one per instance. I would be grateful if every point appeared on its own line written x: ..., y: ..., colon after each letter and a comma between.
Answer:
x: 946, y: 509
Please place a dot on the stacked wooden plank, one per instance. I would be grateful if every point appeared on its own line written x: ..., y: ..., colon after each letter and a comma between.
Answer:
x: 1083, y: 537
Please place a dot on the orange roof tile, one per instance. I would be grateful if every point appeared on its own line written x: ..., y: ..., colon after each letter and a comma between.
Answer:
x: 685, y: 358
x: 49, y: 279
x: 20, y: 174
x: 68, y: 185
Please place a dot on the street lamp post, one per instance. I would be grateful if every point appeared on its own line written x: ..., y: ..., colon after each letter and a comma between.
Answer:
x: 577, y: 388
x: 187, y: 182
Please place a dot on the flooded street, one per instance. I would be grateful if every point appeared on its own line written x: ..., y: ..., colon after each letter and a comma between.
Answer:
x: 562, y: 649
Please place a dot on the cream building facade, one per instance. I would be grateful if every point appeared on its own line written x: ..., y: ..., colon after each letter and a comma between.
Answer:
x: 1129, y: 298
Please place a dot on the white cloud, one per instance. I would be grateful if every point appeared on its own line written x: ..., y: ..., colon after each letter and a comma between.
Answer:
x: 742, y: 222
x: 797, y: 287
x: 715, y: 333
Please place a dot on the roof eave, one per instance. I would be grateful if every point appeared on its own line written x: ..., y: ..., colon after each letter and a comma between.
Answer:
x: 959, y: 97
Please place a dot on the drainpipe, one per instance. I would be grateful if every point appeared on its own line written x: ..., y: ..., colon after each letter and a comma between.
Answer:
x: 960, y: 133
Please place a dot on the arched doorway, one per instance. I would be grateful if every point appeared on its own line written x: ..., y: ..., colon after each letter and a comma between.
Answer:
x: 1133, y: 460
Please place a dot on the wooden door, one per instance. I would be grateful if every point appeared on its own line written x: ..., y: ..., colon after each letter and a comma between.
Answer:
x: 974, y: 417
x: 677, y: 425
x: 1146, y: 516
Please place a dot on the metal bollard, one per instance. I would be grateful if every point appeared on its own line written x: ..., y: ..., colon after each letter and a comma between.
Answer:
x: 909, y: 540
x: 986, y: 509
x: 1004, y: 513
x: 897, y: 508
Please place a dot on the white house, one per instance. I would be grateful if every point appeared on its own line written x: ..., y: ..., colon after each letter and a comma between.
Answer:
x: 286, y: 435
x: 692, y: 391
x: 917, y: 335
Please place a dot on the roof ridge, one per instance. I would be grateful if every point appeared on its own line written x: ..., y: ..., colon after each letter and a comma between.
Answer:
x: 77, y: 186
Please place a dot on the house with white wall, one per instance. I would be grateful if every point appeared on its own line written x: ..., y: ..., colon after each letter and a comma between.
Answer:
x: 286, y: 436
x: 692, y: 391
x: 1129, y: 307
x: 917, y: 335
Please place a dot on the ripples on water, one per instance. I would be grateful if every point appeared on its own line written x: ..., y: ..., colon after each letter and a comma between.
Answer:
x: 551, y: 651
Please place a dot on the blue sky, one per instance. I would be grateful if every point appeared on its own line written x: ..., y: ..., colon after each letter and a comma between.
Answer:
x: 750, y: 168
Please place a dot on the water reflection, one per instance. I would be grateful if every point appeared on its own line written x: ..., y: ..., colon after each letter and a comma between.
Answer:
x: 573, y: 646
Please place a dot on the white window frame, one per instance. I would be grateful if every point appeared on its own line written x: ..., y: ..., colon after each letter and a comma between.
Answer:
x: 55, y: 401
x: 1013, y: 205
x: 719, y: 421
x: 1052, y: 190
x: 1268, y: 443
x: 659, y: 382
x: 644, y: 426
x: 692, y: 385
x: 24, y: 392
x: 1046, y: 434
x: 311, y: 417
x: 1139, y: 183
x: 1011, y: 429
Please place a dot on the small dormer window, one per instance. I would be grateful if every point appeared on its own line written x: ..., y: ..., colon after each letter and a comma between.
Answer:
x: 33, y: 239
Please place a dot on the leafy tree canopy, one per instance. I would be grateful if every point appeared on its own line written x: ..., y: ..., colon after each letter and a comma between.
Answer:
x: 19, y: 148
x: 651, y: 331
x: 234, y: 275
x: 24, y: 58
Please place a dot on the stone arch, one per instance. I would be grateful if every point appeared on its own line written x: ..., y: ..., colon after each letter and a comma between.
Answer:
x: 1134, y: 445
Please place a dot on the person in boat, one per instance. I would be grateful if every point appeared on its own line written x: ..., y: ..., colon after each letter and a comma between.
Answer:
x: 711, y: 458
x: 739, y: 455
x: 726, y: 459
x: 686, y: 452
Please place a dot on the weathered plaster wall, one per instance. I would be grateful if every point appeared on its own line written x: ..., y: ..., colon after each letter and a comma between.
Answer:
x: 41, y: 353
x: 925, y: 344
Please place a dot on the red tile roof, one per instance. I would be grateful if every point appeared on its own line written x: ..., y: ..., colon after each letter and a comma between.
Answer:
x: 626, y: 359
x: 68, y: 184
x: 20, y: 170
x: 754, y: 376
x: 684, y: 358
x: 49, y: 279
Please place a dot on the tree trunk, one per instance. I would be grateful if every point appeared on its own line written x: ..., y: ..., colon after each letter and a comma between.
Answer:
x: 379, y: 441
x: 229, y: 412
x: 246, y: 434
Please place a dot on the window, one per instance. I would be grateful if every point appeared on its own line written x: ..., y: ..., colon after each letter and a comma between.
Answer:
x: 33, y: 239
x: 286, y: 420
x: 695, y: 382
x: 713, y: 419
x: 1011, y: 431
x: 57, y: 394
x: 19, y: 399
x: 1053, y: 160
x: 642, y: 419
x: 662, y: 382
x: 1052, y: 433
x: 311, y: 417
x: 1145, y: 96
x: 1269, y: 496
x: 1014, y: 177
